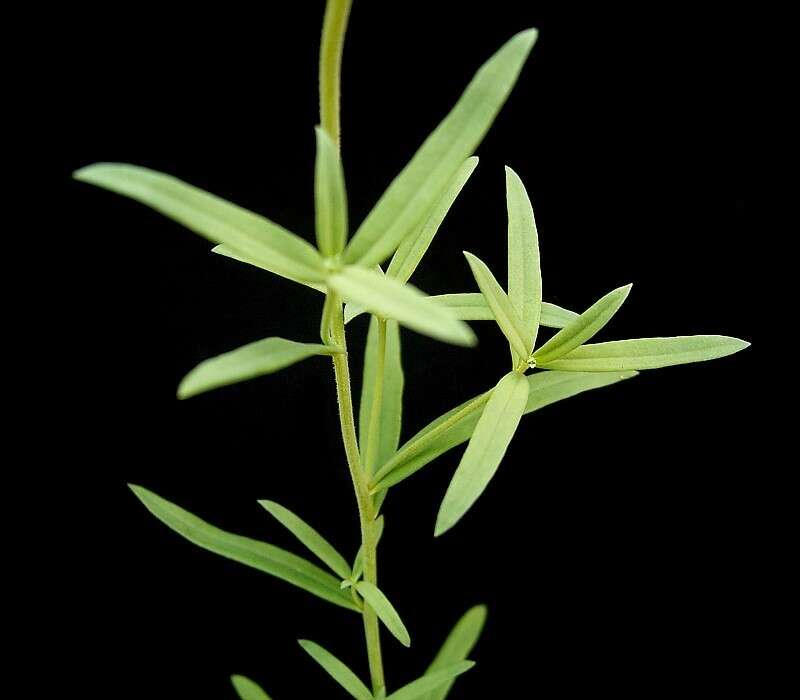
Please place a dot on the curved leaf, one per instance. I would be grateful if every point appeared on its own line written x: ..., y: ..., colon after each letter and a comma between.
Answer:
x: 583, y: 328
x: 431, y: 681
x: 389, y: 298
x: 486, y: 448
x: 315, y: 542
x: 524, y: 269
x: 247, y: 689
x: 472, y: 306
x: 414, y: 246
x: 247, y: 362
x: 458, y: 645
x: 330, y: 198
x: 259, y: 555
x: 646, y: 353
x: 421, y: 183
x: 336, y: 670
x: 384, y: 610
x: 505, y: 314
x: 275, y: 248
x: 228, y: 252
x: 388, y: 410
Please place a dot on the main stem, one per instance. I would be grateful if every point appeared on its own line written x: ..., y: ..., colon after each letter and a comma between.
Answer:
x: 334, y: 26
x: 366, y: 507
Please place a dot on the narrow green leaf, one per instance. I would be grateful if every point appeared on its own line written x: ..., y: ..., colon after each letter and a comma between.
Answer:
x: 545, y: 388
x: 315, y: 542
x: 421, y: 183
x: 431, y: 681
x: 486, y: 448
x: 228, y: 252
x: 336, y: 670
x: 247, y: 689
x: 458, y: 645
x: 259, y: 555
x: 386, y: 407
x: 330, y: 197
x: 252, y: 360
x: 505, y: 314
x: 472, y: 306
x: 358, y: 562
x: 276, y: 249
x: 646, y: 353
x: 524, y: 269
x: 384, y: 610
x: 389, y: 298
x: 414, y: 246
x: 586, y: 326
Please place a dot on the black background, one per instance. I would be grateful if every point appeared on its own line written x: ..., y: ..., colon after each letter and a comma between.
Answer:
x: 616, y: 547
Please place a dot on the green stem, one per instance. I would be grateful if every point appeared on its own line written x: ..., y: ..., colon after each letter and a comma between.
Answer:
x: 377, y: 399
x: 330, y: 65
x: 366, y: 508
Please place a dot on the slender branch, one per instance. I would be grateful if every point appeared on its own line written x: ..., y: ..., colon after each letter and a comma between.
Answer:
x: 377, y: 400
x: 366, y: 510
x: 334, y: 26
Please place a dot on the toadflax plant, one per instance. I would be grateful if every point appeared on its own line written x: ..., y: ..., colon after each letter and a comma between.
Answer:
x: 347, y: 271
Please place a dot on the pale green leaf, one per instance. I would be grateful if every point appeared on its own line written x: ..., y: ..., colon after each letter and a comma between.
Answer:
x: 513, y: 327
x: 646, y: 353
x: 545, y: 388
x: 247, y: 689
x: 330, y: 197
x: 384, y: 610
x: 458, y: 645
x: 384, y: 407
x: 259, y: 555
x: 249, y: 361
x: 431, y: 681
x: 275, y: 248
x: 228, y: 252
x: 583, y: 328
x: 422, y: 182
x: 472, y: 306
x: 358, y: 562
x: 524, y: 269
x: 351, y: 311
x: 389, y: 298
x: 337, y: 670
x: 315, y: 542
x: 485, y: 450
x: 414, y: 246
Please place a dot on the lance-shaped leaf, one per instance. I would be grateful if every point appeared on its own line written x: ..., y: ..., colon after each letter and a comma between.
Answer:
x: 384, y: 610
x: 315, y: 542
x: 414, y: 246
x: 422, y: 182
x: 505, y: 314
x: 337, y: 670
x: 389, y: 298
x: 380, y: 410
x: 458, y: 645
x: 486, y: 448
x: 583, y: 328
x: 329, y: 197
x: 249, y: 361
x: 431, y: 681
x: 457, y: 425
x: 472, y: 306
x: 358, y: 562
x: 275, y: 248
x: 259, y: 555
x: 247, y: 689
x: 646, y: 353
x: 228, y: 252
x: 524, y: 269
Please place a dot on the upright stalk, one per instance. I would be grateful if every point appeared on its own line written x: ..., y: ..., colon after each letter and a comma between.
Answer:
x: 330, y: 61
x: 334, y: 26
